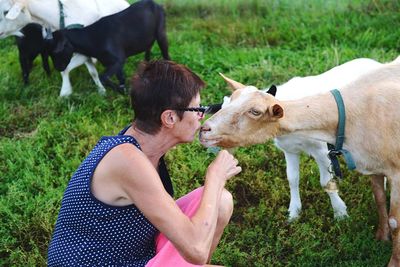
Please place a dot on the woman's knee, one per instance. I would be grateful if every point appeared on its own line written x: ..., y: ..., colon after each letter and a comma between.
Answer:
x: 225, y: 207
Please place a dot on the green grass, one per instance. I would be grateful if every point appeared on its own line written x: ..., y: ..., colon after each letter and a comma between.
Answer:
x: 43, y: 138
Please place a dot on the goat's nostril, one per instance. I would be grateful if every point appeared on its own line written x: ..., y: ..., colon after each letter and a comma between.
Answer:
x: 205, y: 128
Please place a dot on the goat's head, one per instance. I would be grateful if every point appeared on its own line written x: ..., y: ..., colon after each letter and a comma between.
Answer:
x: 59, y: 49
x: 249, y: 116
x: 13, y: 17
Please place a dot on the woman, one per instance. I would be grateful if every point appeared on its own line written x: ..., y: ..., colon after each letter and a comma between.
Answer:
x: 118, y: 208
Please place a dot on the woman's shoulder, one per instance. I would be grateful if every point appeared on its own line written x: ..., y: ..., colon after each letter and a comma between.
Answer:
x: 122, y: 165
x: 125, y: 155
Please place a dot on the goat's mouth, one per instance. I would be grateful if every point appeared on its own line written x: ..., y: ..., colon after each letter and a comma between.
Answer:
x: 220, y: 141
x: 209, y: 142
x: 224, y: 141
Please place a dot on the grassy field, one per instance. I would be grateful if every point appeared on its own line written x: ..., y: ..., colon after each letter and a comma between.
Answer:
x: 44, y: 138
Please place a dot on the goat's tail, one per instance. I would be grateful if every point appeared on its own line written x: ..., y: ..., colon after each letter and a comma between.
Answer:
x: 161, y: 35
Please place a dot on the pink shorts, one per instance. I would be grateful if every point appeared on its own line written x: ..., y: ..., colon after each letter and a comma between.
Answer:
x: 166, y: 253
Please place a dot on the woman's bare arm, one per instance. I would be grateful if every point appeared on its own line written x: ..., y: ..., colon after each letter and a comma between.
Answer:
x: 140, y: 183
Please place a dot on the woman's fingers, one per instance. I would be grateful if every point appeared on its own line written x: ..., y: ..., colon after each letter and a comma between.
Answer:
x: 225, y: 165
x: 232, y: 162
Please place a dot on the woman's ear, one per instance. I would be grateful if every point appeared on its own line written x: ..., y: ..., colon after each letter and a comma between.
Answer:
x: 168, y: 118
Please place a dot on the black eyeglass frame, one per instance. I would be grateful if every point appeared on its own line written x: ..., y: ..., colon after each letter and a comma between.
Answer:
x: 211, y: 109
x: 202, y: 110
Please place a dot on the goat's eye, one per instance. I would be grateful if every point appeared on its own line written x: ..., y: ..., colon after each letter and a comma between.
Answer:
x: 5, y: 13
x: 254, y: 112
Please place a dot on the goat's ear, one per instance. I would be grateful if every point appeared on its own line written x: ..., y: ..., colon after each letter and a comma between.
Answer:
x: 276, y: 111
x: 19, y: 34
x: 14, y: 11
x: 60, y: 43
x: 232, y: 84
x: 272, y: 90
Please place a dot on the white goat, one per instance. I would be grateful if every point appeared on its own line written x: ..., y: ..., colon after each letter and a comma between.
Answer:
x: 15, y: 14
x: 372, y: 126
x: 293, y: 145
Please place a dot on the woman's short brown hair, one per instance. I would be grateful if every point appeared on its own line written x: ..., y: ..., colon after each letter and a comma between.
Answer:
x: 159, y: 85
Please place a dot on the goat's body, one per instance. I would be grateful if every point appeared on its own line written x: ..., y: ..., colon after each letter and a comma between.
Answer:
x: 337, y: 77
x: 372, y: 127
x: 76, y: 12
x: 294, y: 145
x: 372, y: 137
x: 47, y: 13
x: 87, y: 40
x: 114, y: 38
x: 369, y: 104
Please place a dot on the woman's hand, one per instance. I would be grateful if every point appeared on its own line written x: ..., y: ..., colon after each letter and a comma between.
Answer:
x: 224, y: 166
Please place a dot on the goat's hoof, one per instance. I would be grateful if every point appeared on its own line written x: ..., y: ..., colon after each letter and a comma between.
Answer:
x: 340, y: 216
x: 293, y: 218
x: 294, y: 214
x: 63, y: 96
x: 102, y: 92
x: 119, y: 89
x: 122, y: 89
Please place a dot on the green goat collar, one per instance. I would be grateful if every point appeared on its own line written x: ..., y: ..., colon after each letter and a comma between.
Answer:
x: 62, y: 19
x: 337, y: 149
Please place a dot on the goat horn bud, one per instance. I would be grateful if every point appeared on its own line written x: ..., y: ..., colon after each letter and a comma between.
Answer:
x: 233, y: 84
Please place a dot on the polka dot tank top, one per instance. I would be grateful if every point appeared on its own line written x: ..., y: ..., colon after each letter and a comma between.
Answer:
x: 89, y: 232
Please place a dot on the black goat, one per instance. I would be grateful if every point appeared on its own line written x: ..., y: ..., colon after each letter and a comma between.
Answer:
x: 30, y: 46
x: 112, y: 39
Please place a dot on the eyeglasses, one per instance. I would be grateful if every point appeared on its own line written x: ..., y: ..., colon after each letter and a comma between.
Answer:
x: 200, y: 110
x: 211, y: 109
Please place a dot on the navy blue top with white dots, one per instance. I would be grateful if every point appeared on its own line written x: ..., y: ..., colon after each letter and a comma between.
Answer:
x: 89, y: 232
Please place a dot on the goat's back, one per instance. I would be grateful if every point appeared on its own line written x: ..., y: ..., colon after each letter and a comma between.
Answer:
x: 334, y: 78
x: 134, y: 29
x: 373, y: 118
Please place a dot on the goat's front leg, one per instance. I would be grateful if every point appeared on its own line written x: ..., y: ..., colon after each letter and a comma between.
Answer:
x: 293, y: 176
x: 121, y: 79
x: 95, y: 76
x: 378, y: 188
x: 394, y: 219
x: 66, y: 88
x: 110, y: 71
x: 25, y: 68
x: 76, y: 60
x: 45, y: 62
x: 338, y: 205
